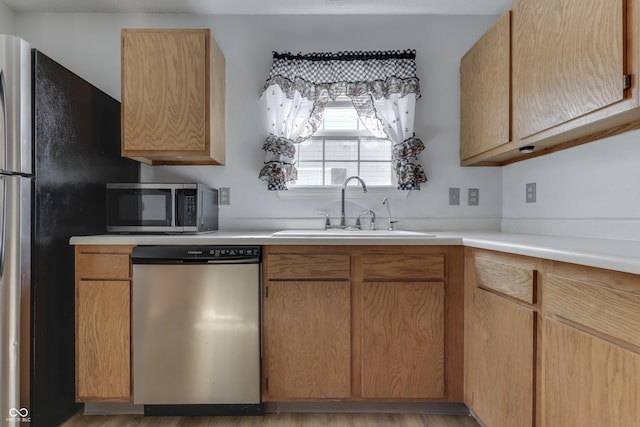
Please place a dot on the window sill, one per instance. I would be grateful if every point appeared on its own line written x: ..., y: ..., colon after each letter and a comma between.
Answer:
x: 333, y: 191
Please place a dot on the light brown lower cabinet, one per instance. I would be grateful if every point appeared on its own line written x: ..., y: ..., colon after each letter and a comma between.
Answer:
x: 500, y: 361
x: 500, y: 337
x: 591, y: 355
x: 357, y: 323
x: 565, y: 354
x: 103, y: 323
x: 309, y: 349
x: 403, y: 340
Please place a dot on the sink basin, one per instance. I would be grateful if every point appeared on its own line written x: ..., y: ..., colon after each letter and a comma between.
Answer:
x: 350, y: 233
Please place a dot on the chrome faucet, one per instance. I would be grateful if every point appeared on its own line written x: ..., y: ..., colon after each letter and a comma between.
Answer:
x: 385, y: 201
x: 343, y: 222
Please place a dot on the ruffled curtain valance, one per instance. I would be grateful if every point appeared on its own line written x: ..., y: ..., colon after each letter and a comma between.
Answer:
x: 383, y: 87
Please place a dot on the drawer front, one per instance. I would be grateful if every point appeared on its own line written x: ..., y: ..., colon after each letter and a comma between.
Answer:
x: 513, y: 280
x: 103, y: 266
x: 403, y: 267
x: 609, y: 311
x: 308, y: 266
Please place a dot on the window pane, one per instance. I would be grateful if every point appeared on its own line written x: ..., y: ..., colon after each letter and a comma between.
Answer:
x: 311, y: 149
x: 377, y: 173
x: 337, y: 172
x: 309, y: 173
x: 375, y: 149
x: 340, y: 118
x: 341, y: 149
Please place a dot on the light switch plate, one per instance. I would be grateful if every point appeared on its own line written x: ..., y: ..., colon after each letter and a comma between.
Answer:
x: 454, y: 196
x: 225, y: 196
x: 531, y: 192
x: 473, y: 197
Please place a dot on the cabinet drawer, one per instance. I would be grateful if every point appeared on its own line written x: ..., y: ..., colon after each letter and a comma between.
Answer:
x: 404, y: 267
x: 107, y: 266
x: 308, y: 266
x: 609, y: 311
x: 513, y: 280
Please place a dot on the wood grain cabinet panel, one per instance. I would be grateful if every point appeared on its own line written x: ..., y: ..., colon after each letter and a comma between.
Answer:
x: 500, y: 361
x: 308, y: 340
x: 588, y: 382
x: 173, y: 97
x: 103, y: 323
x: 485, y: 91
x: 403, y: 340
x: 568, y: 60
x: 309, y: 266
x: 103, y: 341
x: 405, y: 267
x: 499, y: 274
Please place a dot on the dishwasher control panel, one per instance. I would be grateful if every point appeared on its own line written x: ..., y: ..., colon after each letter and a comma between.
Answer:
x: 205, y: 253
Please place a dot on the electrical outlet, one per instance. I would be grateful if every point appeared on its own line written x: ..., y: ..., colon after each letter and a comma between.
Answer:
x: 531, y: 192
x: 454, y: 196
x: 225, y: 196
x: 473, y: 197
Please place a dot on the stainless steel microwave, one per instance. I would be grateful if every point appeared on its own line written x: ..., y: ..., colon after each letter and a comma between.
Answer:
x: 161, y: 208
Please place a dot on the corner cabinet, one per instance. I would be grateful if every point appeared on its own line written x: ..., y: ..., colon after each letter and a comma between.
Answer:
x: 103, y: 323
x: 574, y: 68
x: 485, y: 92
x: 550, y: 344
x: 173, y: 97
x: 591, y: 362
x: 356, y: 323
x: 500, y: 338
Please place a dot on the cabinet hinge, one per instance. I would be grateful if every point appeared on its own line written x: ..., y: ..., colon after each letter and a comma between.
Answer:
x: 266, y: 292
x: 626, y: 81
x: 266, y: 384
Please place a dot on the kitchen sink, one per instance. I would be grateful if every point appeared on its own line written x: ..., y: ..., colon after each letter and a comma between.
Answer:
x: 337, y: 232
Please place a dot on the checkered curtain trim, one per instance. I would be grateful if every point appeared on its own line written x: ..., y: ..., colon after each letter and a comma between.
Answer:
x: 327, y: 75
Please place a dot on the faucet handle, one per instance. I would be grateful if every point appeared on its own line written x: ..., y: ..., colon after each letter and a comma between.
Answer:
x: 327, y: 220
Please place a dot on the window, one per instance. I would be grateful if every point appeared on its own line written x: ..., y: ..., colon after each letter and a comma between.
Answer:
x: 342, y: 147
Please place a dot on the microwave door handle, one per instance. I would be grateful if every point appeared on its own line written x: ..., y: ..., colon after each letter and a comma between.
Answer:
x: 201, y: 199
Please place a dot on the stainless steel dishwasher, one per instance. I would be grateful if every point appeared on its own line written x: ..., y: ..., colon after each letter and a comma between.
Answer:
x: 196, y: 330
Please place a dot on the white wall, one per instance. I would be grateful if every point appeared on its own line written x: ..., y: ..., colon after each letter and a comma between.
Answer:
x: 89, y: 44
x: 7, y: 18
x: 589, y: 190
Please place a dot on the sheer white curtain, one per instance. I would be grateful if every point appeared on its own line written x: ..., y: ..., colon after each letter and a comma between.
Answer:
x: 289, y: 121
x: 395, y: 114
x: 383, y: 87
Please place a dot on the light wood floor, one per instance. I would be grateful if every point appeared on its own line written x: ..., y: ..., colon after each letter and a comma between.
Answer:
x: 277, y: 420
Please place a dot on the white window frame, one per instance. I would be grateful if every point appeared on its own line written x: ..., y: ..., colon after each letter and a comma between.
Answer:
x: 330, y: 190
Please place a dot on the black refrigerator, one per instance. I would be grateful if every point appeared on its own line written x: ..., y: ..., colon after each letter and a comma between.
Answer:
x: 61, y: 139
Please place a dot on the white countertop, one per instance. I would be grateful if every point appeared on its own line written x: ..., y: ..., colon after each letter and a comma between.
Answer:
x: 620, y: 255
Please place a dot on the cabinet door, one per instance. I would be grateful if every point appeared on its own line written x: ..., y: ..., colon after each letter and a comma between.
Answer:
x: 485, y: 82
x: 103, y: 335
x: 567, y: 60
x: 308, y: 340
x: 500, y: 361
x: 588, y: 382
x: 164, y: 91
x: 402, y: 340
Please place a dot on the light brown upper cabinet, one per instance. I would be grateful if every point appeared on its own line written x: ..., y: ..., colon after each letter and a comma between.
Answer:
x: 574, y: 68
x: 568, y: 61
x: 485, y: 75
x: 173, y: 97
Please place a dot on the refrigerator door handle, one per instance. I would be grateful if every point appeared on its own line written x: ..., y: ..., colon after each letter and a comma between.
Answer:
x: 3, y: 216
x: 4, y: 132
